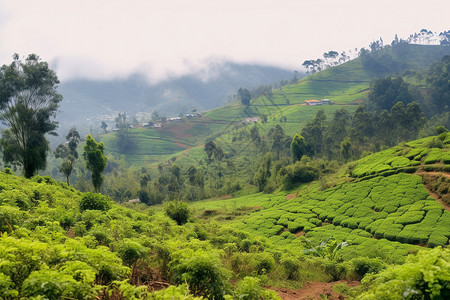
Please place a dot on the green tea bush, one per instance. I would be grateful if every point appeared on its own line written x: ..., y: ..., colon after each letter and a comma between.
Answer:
x: 263, y: 263
x: 204, y: 274
x: 130, y: 252
x: 180, y: 292
x: 7, y: 290
x: 250, y: 289
x: 364, y: 265
x: 424, y: 276
x: 94, y: 201
x: 55, y: 285
x: 437, y: 239
x: 178, y: 211
x: 291, y: 267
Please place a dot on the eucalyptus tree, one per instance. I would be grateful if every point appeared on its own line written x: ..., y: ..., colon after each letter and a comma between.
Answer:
x: 28, y: 103
x: 68, y: 153
x: 95, y: 160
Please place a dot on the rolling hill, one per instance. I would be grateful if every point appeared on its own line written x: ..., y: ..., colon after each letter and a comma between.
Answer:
x: 345, y: 85
x: 81, y: 245
x: 86, y: 102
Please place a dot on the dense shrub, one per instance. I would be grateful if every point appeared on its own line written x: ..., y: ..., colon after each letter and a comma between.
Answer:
x: 364, y: 265
x: 178, y: 211
x: 250, y: 289
x: 298, y: 173
x: 94, y: 201
x: 204, y: 274
x: 264, y: 263
x: 425, y: 276
x: 291, y: 267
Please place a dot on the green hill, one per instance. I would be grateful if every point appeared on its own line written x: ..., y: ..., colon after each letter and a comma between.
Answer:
x: 82, y: 245
x: 385, y: 213
x: 343, y: 84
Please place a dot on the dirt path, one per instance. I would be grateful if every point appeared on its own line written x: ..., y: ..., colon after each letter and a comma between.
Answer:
x: 435, y: 173
x: 291, y: 196
x: 436, y: 197
x: 430, y: 191
x: 313, y: 290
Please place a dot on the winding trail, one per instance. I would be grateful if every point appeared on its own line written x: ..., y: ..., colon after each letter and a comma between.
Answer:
x: 430, y: 191
x: 314, y: 290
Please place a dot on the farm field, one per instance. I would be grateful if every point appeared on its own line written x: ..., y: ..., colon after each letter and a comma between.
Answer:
x: 383, y: 211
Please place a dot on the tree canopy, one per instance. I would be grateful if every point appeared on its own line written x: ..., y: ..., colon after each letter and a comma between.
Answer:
x: 95, y: 160
x: 28, y: 102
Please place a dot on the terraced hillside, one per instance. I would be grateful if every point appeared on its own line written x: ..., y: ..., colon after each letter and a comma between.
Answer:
x: 351, y: 81
x: 380, y: 209
x: 344, y: 84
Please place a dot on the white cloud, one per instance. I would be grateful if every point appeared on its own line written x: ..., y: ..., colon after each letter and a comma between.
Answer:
x: 101, y: 39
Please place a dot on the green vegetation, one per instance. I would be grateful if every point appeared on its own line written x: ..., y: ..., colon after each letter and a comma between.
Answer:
x: 28, y: 102
x: 287, y: 204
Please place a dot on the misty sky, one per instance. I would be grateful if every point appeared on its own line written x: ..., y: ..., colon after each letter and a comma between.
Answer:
x: 114, y: 38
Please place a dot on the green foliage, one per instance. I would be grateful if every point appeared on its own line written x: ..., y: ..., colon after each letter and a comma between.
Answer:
x: 364, y: 265
x: 91, y: 201
x: 298, y: 173
x: 178, y: 211
x: 130, y: 252
x: 425, y: 276
x: 202, y: 271
x: 95, y: 160
x: 250, y: 289
x: 180, y: 292
x: 298, y: 147
x: 28, y: 101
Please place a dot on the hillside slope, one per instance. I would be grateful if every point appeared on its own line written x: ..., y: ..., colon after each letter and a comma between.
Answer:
x: 343, y: 84
x: 379, y: 208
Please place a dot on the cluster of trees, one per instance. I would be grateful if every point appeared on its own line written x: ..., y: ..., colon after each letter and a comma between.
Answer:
x: 427, y: 37
x: 333, y: 58
x: 330, y: 58
x: 28, y: 104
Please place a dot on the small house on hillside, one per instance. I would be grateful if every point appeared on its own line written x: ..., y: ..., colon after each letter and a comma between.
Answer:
x: 325, y: 101
x: 252, y: 119
x: 175, y: 119
x: 313, y: 102
x: 157, y: 125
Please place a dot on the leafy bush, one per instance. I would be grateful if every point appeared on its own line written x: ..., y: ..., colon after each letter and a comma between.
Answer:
x: 180, y: 292
x: 264, y: 263
x: 425, y: 276
x: 250, y: 289
x: 291, y: 267
x: 94, y: 201
x: 178, y: 211
x: 130, y: 252
x: 364, y: 265
x: 298, y: 173
x: 203, y: 272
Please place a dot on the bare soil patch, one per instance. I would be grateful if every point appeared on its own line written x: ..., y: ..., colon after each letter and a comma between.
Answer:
x: 436, y: 197
x: 291, y: 196
x: 313, y: 290
x: 300, y: 233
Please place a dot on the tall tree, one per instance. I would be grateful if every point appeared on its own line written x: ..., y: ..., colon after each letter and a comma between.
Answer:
x: 298, y: 147
x: 28, y: 102
x: 68, y: 153
x: 95, y: 160
x: 244, y: 96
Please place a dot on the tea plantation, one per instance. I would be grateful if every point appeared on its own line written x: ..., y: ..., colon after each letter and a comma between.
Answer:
x: 431, y: 153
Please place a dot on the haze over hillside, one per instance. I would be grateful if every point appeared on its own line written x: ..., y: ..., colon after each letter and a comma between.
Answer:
x: 88, y: 102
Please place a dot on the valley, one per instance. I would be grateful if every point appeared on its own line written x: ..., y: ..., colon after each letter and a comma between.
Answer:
x: 266, y: 197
